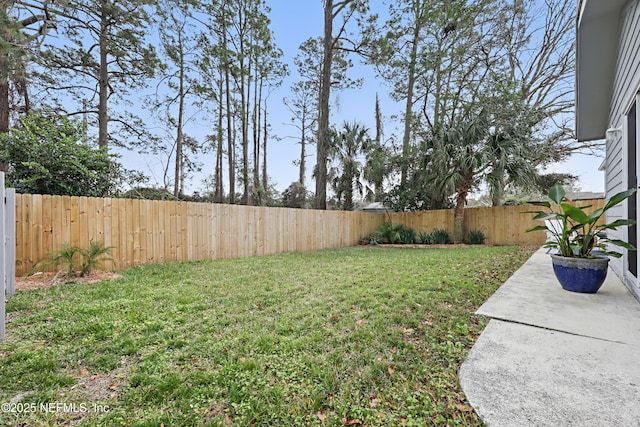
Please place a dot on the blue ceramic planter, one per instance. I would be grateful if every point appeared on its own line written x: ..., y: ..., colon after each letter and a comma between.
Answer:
x: 585, y: 275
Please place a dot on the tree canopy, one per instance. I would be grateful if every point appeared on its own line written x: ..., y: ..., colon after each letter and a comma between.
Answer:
x: 46, y: 156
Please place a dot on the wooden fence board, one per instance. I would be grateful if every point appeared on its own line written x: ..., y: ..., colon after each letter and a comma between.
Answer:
x: 164, y: 222
x: 21, y: 224
x: 94, y: 208
x: 182, y: 238
x: 107, y: 224
x: 173, y: 229
x: 47, y: 224
x: 66, y: 220
x: 37, y: 251
x: 158, y: 235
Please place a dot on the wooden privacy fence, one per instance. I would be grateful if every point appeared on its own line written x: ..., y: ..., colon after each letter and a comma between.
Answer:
x: 503, y: 225
x: 146, y: 231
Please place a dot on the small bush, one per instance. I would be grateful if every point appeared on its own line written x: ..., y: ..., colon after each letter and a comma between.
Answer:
x: 94, y: 257
x: 424, y: 238
x: 66, y: 255
x: 69, y: 255
x: 408, y: 236
x: 390, y: 233
x: 476, y: 237
x: 440, y: 237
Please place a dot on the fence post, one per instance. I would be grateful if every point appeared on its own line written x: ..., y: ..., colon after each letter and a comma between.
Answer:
x: 3, y: 245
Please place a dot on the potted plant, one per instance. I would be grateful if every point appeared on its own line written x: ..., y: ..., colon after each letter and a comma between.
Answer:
x: 581, y: 262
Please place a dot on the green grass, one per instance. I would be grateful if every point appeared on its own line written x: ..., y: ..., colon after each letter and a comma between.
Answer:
x: 358, y: 336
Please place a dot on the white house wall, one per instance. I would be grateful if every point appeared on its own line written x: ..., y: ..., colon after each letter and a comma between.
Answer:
x: 626, y: 86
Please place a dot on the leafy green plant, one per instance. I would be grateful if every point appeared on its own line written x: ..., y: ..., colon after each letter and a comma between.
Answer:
x: 47, y: 156
x: 424, y: 238
x: 94, y: 257
x: 408, y: 236
x: 66, y: 255
x: 476, y: 237
x: 440, y: 236
x: 578, y: 233
x: 70, y: 255
x: 390, y: 233
x: 371, y: 239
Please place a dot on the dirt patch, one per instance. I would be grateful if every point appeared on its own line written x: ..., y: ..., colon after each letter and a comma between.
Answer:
x: 48, y: 279
x: 98, y: 387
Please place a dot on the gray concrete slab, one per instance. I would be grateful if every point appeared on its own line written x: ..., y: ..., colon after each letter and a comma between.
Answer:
x: 534, y: 297
x: 518, y: 375
x: 550, y: 357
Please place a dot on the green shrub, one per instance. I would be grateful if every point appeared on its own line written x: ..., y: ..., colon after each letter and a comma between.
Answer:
x: 424, y: 238
x: 476, y: 237
x: 68, y: 255
x: 440, y: 237
x: 390, y: 233
x: 94, y: 257
x: 408, y: 236
x: 47, y: 156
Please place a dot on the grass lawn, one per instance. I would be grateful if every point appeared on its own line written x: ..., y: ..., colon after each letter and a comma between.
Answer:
x: 358, y: 336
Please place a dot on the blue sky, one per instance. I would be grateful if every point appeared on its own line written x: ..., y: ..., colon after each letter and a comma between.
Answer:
x: 292, y: 23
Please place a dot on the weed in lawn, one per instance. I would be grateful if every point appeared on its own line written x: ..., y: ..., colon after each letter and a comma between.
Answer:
x: 358, y: 335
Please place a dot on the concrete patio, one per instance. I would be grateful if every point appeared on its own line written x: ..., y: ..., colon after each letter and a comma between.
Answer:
x: 549, y: 357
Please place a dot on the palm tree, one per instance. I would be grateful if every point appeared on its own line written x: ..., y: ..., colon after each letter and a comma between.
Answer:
x: 459, y: 158
x: 346, y: 146
x: 510, y: 164
x: 375, y: 171
x: 472, y: 151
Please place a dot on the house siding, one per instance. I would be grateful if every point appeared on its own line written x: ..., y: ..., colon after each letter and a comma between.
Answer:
x: 625, y: 87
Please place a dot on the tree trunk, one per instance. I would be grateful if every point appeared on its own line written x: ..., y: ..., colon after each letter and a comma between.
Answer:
x: 497, y: 194
x: 179, y: 173
x: 323, y: 108
x: 4, y: 106
x: 4, y: 116
x: 377, y: 185
x: 244, y: 122
x: 408, y: 112
x: 256, y: 131
x: 303, y: 149
x: 265, y: 178
x: 219, y: 191
x: 103, y: 83
x: 4, y: 81
x: 230, y: 142
x: 458, y: 216
x: 348, y: 192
